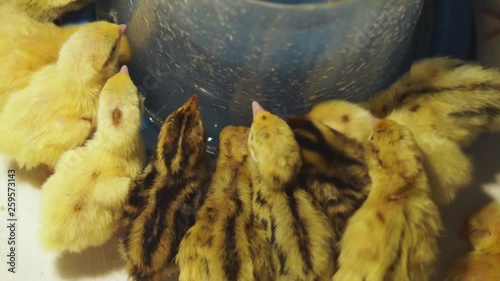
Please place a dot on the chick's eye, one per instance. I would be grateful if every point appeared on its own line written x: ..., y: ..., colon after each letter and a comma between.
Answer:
x: 113, y: 50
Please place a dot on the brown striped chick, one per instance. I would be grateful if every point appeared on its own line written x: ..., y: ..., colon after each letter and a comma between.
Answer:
x: 57, y: 110
x: 334, y: 170
x: 483, y: 263
x: 393, y: 236
x: 47, y: 10
x: 460, y: 99
x: 162, y: 205
x: 447, y: 166
x: 82, y: 202
x: 299, y: 231
x: 225, y: 243
x: 423, y: 74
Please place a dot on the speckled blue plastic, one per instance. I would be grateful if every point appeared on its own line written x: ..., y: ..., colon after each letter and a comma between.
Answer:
x: 450, y: 35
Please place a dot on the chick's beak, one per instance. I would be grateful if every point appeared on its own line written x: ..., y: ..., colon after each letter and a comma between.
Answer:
x: 122, y: 28
x: 124, y: 70
x: 257, y: 108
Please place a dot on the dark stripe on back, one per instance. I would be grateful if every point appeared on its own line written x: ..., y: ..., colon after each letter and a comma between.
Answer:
x: 489, y: 111
x: 137, y: 201
x: 150, y: 178
x: 260, y: 200
x: 232, y: 262
x: 298, y: 227
x: 139, y: 275
x: 154, y: 227
x: 273, y: 228
x: 341, y: 184
x: 136, y: 196
x: 185, y: 217
x: 328, y: 153
x: 182, y: 222
x: 484, y: 86
x: 186, y: 148
x: 169, y: 153
x: 320, y: 144
x: 282, y: 259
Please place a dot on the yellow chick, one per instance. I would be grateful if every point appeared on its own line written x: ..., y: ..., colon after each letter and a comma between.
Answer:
x: 224, y: 243
x: 162, y: 205
x: 460, y: 99
x: 47, y: 10
x: 27, y: 45
x: 483, y: 231
x: 447, y: 166
x: 334, y: 170
x: 83, y: 201
x: 57, y: 110
x: 348, y: 118
x: 300, y: 233
x: 393, y: 236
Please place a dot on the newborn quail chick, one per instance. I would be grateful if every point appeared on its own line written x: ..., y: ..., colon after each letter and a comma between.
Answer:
x: 27, y: 45
x: 298, y: 229
x: 334, y: 170
x: 459, y: 99
x: 393, y: 236
x: 162, y: 205
x: 57, y: 110
x: 82, y: 202
x: 447, y: 167
x: 225, y: 243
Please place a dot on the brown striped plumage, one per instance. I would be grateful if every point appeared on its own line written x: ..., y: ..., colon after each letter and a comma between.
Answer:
x: 447, y: 166
x: 459, y: 99
x: 393, y: 236
x: 162, y: 205
x: 226, y: 244
x: 299, y: 231
x: 334, y: 170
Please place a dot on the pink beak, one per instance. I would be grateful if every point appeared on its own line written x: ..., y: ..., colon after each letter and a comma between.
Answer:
x: 374, y: 120
x: 124, y: 70
x: 257, y: 108
x: 122, y: 27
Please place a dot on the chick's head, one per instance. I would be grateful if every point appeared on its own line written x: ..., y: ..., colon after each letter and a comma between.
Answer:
x: 92, y: 52
x: 483, y: 229
x: 392, y: 148
x: 347, y: 118
x: 120, y: 105
x: 182, y: 137
x: 272, y: 145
